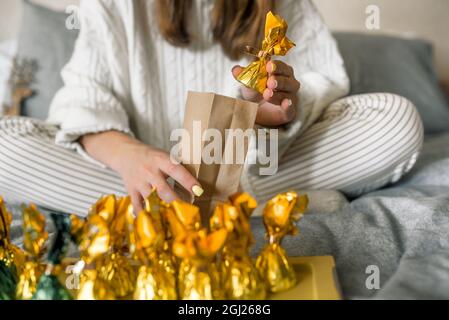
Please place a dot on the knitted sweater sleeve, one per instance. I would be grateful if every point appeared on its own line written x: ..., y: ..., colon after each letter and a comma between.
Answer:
x: 87, y: 102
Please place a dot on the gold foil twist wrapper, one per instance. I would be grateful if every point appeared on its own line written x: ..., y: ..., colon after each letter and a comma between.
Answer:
x: 255, y: 75
x: 279, y: 216
x: 94, y: 244
x: 198, y: 276
x: 156, y: 279
x: 239, y: 276
x: 105, y: 242
x: 10, y: 254
x: 115, y: 267
x: 34, y: 238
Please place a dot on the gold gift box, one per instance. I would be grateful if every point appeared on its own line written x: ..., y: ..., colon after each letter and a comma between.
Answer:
x: 317, y: 279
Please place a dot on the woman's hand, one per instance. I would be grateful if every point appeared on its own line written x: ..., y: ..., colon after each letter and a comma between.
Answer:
x: 280, y: 98
x: 140, y: 166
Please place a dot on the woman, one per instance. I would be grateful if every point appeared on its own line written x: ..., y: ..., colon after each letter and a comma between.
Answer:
x: 125, y: 90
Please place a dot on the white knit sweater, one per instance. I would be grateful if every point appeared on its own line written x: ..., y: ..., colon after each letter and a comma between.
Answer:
x: 124, y: 76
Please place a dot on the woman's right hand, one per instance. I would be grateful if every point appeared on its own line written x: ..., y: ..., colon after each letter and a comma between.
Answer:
x: 140, y: 166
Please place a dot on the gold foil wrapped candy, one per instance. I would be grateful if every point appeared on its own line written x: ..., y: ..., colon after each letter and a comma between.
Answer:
x: 255, y: 75
x: 34, y: 238
x: 95, y: 243
x: 198, y: 275
x: 279, y: 216
x: 10, y: 255
x: 105, y: 243
x: 156, y: 279
x: 239, y: 276
x: 116, y: 268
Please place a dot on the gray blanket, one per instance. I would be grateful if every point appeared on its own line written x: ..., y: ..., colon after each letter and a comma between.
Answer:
x: 403, y: 231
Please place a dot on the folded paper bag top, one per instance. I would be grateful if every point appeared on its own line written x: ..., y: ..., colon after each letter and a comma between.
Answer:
x: 207, y: 119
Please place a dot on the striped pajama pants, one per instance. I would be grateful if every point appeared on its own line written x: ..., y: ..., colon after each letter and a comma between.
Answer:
x: 359, y: 144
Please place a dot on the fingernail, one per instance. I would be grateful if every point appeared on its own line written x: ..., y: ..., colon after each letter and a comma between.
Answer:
x: 197, y: 191
x: 273, y: 67
x: 290, y: 102
x: 275, y: 83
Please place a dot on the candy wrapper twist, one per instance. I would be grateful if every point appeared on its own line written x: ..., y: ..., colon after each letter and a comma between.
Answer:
x: 255, y: 75
x: 163, y: 253
x: 279, y: 217
x: 198, y: 274
x: 11, y: 257
x: 156, y: 279
x: 105, y: 243
x: 34, y: 238
x: 239, y: 277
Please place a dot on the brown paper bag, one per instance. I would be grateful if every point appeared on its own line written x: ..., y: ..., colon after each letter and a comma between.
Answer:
x: 213, y: 111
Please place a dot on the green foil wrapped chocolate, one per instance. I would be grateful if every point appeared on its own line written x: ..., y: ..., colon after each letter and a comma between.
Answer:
x: 49, y: 287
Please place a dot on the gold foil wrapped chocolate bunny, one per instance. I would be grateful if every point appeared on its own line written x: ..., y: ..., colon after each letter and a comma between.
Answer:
x: 239, y: 276
x: 279, y: 218
x: 255, y: 75
x: 34, y: 238
x: 156, y: 279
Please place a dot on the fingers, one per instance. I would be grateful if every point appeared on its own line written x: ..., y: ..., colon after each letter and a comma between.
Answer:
x: 277, y: 97
x: 282, y: 87
x: 137, y: 202
x: 236, y: 70
x: 145, y: 190
x: 283, y: 83
x: 164, y: 191
x: 274, y: 115
x: 280, y: 68
x: 180, y: 174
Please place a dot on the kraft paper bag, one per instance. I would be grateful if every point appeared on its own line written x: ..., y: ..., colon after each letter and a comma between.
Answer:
x: 205, y: 111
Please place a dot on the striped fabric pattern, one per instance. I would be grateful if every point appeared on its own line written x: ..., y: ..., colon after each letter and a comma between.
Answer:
x: 359, y: 144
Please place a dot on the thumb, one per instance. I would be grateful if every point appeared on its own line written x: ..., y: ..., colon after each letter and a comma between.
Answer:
x: 236, y: 71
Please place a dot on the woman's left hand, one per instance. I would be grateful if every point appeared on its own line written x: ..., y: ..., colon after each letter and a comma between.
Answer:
x: 280, y: 98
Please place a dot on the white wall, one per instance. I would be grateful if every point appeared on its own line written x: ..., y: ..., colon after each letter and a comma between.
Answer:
x: 425, y: 18
x: 10, y: 14
x: 428, y: 19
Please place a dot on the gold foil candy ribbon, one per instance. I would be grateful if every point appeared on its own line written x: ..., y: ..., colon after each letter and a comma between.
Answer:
x: 275, y: 42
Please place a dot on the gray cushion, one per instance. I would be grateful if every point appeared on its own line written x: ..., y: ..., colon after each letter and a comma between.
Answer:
x: 378, y: 63
x: 44, y: 37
